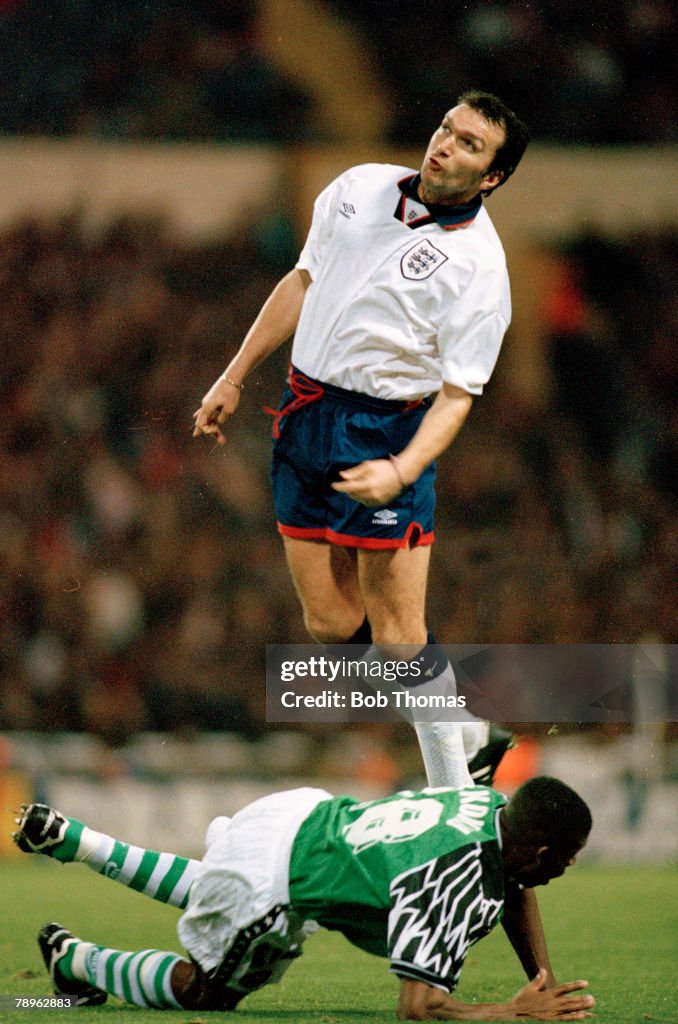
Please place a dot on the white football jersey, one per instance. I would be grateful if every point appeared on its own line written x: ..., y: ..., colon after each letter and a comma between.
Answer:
x: 400, y: 301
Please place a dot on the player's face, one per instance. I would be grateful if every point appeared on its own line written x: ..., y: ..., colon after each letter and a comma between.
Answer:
x: 550, y: 862
x: 458, y: 158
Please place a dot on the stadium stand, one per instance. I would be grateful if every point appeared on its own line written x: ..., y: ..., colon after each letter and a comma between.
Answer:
x: 314, y: 70
x: 125, y: 600
x: 133, y: 69
x: 580, y: 73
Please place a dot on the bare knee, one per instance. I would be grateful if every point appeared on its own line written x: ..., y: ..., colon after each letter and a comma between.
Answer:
x: 326, y: 580
x: 326, y: 628
x: 398, y: 625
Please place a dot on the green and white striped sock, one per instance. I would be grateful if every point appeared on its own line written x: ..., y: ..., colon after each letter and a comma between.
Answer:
x: 143, y: 978
x: 163, y: 876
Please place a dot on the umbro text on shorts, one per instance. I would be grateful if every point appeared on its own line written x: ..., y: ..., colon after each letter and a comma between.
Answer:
x: 320, y: 429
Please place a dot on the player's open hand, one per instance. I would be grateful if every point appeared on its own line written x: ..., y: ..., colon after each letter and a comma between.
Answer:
x: 540, y: 1003
x: 217, y: 406
x: 372, y: 483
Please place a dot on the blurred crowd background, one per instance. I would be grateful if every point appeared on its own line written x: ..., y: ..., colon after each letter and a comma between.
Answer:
x: 140, y: 570
x: 165, y: 69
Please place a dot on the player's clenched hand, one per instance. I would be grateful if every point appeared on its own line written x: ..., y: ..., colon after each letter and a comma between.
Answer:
x: 540, y: 1003
x: 219, y: 403
x: 372, y: 483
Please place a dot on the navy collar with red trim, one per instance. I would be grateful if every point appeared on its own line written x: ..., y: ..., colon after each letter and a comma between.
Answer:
x: 415, y: 214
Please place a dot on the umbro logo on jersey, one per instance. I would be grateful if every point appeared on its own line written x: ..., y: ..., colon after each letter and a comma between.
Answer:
x: 422, y: 260
x: 347, y: 210
x: 385, y: 517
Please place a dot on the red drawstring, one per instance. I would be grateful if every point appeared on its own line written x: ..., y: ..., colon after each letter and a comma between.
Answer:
x: 306, y: 391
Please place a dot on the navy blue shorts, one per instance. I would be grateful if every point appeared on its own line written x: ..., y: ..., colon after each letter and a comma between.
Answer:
x: 321, y: 429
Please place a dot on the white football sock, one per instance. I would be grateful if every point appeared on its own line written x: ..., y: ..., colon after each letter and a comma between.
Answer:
x: 446, y: 746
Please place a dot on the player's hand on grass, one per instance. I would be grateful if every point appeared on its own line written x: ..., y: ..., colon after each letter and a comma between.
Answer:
x: 538, y: 1002
x: 217, y: 406
x: 372, y: 483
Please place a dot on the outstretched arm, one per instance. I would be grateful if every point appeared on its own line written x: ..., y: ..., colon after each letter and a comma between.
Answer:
x: 275, y: 323
x: 523, y: 926
x: 419, y: 1001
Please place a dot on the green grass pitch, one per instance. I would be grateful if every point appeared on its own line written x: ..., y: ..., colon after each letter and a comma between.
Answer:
x: 617, y: 927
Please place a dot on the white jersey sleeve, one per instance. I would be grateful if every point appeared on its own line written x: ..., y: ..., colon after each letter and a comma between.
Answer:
x: 471, y: 331
x: 320, y: 233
